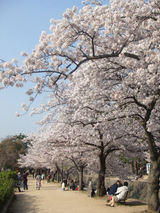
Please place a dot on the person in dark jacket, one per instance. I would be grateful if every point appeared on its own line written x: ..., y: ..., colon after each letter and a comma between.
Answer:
x: 18, y: 181
x: 121, y: 194
x: 25, y: 180
x: 111, y: 190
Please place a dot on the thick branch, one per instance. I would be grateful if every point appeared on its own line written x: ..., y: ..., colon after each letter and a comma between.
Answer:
x: 131, y: 55
x: 137, y: 102
x: 93, y: 145
x: 110, y: 150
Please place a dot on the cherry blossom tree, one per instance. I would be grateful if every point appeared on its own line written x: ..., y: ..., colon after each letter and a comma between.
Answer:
x: 53, y: 148
x: 90, y: 127
x: 139, y: 99
x: 122, y: 40
x: 37, y: 156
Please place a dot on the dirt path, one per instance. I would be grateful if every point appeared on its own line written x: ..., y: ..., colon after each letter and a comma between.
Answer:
x: 51, y: 199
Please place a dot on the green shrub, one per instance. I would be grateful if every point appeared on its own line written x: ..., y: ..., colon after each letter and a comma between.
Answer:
x: 7, y: 180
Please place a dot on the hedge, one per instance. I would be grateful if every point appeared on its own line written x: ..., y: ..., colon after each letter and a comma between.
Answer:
x: 7, y: 180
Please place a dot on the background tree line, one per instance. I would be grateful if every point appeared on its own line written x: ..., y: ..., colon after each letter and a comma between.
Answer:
x: 10, y: 149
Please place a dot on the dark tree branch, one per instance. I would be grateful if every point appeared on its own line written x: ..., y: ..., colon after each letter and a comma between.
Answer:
x: 110, y: 150
x: 137, y: 102
x: 131, y: 55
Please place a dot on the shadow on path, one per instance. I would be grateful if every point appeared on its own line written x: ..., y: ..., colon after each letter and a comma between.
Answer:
x: 24, y: 203
x: 134, y: 203
x: 50, y: 188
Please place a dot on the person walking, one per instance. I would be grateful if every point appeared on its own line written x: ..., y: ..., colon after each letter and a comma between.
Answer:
x: 18, y: 181
x: 38, y: 182
x: 25, y: 180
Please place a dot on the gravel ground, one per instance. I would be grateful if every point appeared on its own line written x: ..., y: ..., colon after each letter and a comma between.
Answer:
x: 51, y: 199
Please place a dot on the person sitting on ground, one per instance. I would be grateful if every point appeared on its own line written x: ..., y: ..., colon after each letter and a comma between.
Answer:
x: 63, y: 186
x: 48, y: 178
x: 72, y: 185
x: 119, y: 195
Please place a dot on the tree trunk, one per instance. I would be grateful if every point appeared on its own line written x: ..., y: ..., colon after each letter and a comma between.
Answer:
x: 153, y: 187
x: 154, y: 175
x: 80, y: 174
x: 58, y: 179
x: 132, y: 167
x: 59, y: 173
x: 101, y: 190
x: 137, y: 167
x: 54, y: 175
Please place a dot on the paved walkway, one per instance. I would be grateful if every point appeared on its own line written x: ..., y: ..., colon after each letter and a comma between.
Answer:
x: 51, y: 199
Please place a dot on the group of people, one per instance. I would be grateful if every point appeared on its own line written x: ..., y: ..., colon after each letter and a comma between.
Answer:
x: 71, y: 185
x: 117, y: 192
x: 22, y: 180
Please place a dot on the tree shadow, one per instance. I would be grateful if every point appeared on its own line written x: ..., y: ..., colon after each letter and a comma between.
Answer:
x: 50, y: 188
x: 24, y: 203
x: 133, y: 203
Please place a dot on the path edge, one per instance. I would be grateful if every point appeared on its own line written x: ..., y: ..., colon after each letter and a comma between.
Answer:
x: 7, y: 205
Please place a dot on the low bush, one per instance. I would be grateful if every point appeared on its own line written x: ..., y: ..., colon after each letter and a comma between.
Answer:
x: 7, y: 180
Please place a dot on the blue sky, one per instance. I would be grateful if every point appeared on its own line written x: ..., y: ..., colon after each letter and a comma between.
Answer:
x: 21, y: 23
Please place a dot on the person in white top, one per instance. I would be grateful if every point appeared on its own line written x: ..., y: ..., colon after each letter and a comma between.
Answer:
x: 63, y: 186
x: 120, y: 194
x: 38, y: 181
